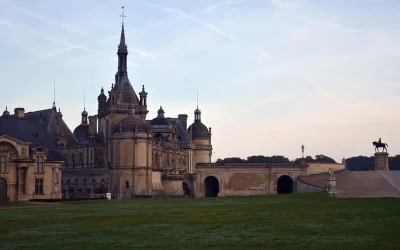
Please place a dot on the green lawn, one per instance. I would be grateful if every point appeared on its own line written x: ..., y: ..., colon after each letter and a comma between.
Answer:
x: 298, y: 221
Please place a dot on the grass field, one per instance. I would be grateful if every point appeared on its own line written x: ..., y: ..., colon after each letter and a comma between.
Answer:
x: 298, y: 221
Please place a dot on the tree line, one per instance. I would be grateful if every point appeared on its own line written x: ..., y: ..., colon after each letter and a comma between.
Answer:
x: 356, y: 163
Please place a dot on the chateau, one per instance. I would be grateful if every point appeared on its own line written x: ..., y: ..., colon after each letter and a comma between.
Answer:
x: 123, y: 152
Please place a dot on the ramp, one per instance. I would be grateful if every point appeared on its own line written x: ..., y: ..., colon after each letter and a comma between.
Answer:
x: 365, y: 184
x: 361, y: 183
x: 393, y: 177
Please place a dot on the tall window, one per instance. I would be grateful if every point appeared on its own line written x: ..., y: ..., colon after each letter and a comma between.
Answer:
x: 3, y: 162
x: 38, y: 186
x: 81, y: 159
x: 73, y: 160
x: 127, y: 184
x: 91, y: 157
x: 39, y: 164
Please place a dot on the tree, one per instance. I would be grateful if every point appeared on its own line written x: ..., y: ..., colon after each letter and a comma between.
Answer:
x: 324, y: 158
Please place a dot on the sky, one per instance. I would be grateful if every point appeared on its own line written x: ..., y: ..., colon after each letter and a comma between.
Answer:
x: 271, y: 75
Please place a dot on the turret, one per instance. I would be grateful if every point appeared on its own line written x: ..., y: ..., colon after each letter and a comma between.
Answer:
x: 102, y: 103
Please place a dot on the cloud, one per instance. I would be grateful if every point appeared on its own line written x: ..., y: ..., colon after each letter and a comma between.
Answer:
x: 206, y: 10
x: 191, y: 17
x: 75, y: 30
x: 213, y: 27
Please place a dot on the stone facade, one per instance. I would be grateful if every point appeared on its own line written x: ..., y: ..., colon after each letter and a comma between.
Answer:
x: 119, y: 150
x: 322, y: 167
x: 30, y: 167
x: 247, y: 179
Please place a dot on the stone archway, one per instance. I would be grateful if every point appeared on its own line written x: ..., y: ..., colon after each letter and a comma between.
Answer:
x: 211, y: 187
x: 3, y: 190
x: 285, y: 185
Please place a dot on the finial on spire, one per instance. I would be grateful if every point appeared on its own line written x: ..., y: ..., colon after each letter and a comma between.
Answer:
x: 6, y: 108
x: 54, y: 93
x: 197, y: 97
x: 84, y: 100
x: 123, y: 15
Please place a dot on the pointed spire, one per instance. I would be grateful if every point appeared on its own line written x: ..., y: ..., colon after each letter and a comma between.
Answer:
x: 122, y: 40
x: 197, y: 112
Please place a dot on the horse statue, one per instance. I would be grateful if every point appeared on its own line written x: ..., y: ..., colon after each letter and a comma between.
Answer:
x: 380, y: 144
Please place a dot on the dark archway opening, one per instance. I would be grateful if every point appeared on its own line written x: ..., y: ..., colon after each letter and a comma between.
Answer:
x: 211, y: 186
x: 3, y: 190
x: 186, y: 189
x: 285, y: 185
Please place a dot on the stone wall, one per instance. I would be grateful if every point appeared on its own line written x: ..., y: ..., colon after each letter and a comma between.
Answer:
x: 303, y: 187
x: 320, y: 167
x: 246, y: 179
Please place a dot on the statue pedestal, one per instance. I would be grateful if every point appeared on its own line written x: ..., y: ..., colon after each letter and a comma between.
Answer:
x: 381, y: 161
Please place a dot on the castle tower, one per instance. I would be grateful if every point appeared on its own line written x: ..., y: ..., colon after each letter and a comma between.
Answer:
x: 122, y: 120
x: 201, y: 138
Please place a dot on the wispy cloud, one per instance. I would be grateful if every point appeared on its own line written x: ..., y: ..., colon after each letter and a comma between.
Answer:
x: 206, y: 10
x: 209, y: 25
x: 75, y: 30
x: 191, y: 17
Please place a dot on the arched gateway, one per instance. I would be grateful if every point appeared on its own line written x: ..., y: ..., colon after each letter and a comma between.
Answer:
x: 3, y: 190
x: 285, y: 185
x: 211, y: 187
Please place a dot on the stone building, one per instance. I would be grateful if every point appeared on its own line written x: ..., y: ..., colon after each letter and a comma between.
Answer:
x: 123, y: 151
x: 120, y: 150
x: 30, y: 164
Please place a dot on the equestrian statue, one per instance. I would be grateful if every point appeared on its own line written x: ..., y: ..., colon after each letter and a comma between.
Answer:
x: 380, y: 144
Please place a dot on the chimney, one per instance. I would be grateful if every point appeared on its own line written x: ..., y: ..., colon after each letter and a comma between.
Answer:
x: 183, y: 119
x: 19, y: 112
x: 92, y: 125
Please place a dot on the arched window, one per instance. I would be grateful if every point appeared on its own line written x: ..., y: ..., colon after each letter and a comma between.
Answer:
x: 84, y: 180
x: 94, y: 181
x: 127, y: 184
x: 68, y: 181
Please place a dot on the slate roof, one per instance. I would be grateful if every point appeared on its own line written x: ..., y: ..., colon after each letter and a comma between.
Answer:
x: 199, y: 130
x: 126, y: 93
x: 30, y: 130
x: 173, y: 123
x: 53, y: 123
